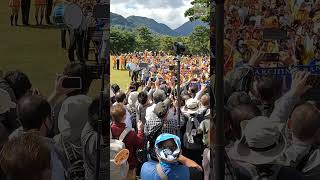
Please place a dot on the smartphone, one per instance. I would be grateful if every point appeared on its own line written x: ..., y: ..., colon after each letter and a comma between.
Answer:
x: 72, y: 83
x: 275, y: 34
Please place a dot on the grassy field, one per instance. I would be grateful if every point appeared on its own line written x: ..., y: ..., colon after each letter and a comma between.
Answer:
x: 119, y: 77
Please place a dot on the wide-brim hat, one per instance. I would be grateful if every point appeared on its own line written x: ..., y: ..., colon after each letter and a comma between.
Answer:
x: 261, y: 143
x: 192, y: 106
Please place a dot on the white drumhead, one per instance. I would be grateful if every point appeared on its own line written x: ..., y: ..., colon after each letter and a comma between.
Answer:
x: 73, y: 16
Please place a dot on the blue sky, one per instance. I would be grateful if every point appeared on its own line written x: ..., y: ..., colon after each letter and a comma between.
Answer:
x: 169, y: 12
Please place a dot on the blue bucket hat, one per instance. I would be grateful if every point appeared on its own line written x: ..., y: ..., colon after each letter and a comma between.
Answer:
x: 167, y: 154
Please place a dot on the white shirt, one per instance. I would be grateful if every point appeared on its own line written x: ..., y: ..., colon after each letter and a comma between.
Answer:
x: 149, y: 111
x: 128, y: 117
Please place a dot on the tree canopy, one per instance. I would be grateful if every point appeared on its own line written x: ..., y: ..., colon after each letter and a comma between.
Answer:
x: 141, y: 38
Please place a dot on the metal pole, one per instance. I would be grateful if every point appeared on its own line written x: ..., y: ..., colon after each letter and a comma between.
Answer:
x: 219, y: 91
x: 178, y: 58
x: 105, y: 59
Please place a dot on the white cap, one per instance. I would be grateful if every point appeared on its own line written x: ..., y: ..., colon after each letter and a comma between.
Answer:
x: 5, y: 102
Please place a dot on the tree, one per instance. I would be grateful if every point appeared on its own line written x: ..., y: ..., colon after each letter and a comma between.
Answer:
x: 199, y: 10
x: 144, y: 39
x: 166, y: 43
x: 200, y: 40
x: 121, y: 41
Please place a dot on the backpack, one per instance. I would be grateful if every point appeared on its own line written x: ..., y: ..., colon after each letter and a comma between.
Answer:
x: 116, y: 145
x: 192, y: 140
x: 76, y: 170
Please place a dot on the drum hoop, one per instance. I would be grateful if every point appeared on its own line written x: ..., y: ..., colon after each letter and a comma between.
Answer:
x: 68, y: 25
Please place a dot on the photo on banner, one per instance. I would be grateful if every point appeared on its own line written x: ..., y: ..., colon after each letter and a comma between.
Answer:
x: 160, y: 84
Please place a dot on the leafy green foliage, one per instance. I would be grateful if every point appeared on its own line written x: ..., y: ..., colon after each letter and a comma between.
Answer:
x: 140, y: 39
x: 200, y: 10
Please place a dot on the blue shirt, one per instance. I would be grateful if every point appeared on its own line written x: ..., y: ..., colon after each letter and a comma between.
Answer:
x: 174, y: 171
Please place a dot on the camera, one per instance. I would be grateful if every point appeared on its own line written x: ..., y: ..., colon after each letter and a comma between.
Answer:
x: 179, y: 48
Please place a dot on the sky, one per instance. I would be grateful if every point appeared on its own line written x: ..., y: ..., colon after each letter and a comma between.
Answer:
x: 169, y: 12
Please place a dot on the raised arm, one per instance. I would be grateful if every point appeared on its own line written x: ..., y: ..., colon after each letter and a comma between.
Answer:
x: 285, y: 105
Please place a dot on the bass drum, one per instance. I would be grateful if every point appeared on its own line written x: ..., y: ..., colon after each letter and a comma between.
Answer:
x: 67, y: 15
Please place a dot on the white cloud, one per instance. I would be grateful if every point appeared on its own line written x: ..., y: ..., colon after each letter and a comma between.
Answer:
x: 169, y: 12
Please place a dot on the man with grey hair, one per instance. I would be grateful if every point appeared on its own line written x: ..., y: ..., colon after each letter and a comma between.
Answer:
x: 158, y: 96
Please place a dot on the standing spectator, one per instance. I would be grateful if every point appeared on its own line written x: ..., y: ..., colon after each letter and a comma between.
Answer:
x: 89, y: 139
x: 73, y: 114
x: 40, y: 6
x: 26, y: 157
x: 142, y: 106
x: 25, y: 9
x: 168, y: 150
x: 131, y: 107
x: 19, y: 83
x: 34, y: 113
x: 14, y: 5
x: 120, y: 99
x: 159, y: 119
x: 132, y: 141
x: 158, y: 96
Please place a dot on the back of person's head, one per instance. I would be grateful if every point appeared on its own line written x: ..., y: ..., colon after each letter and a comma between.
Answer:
x: 143, y: 98
x: 115, y: 88
x: 184, y: 98
x: 94, y: 110
x: 240, y: 113
x: 19, y: 82
x: 118, y: 113
x: 82, y: 71
x: 33, y: 111
x: 193, y: 90
x: 305, y: 123
x: 205, y: 100
x: 159, y: 96
x: 120, y: 97
x: 268, y: 89
x: 161, y: 110
x: 27, y: 158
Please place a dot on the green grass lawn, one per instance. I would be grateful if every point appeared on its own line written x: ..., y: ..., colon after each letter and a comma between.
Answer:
x: 119, y: 77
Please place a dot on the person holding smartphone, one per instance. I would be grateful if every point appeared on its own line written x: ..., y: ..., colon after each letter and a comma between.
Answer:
x: 70, y: 103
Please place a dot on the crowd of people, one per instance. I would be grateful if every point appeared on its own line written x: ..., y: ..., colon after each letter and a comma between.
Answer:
x: 145, y: 65
x: 53, y: 137
x: 269, y: 133
x: 293, y: 25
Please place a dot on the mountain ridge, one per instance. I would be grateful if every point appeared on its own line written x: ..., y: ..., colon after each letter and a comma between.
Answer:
x: 132, y: 22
